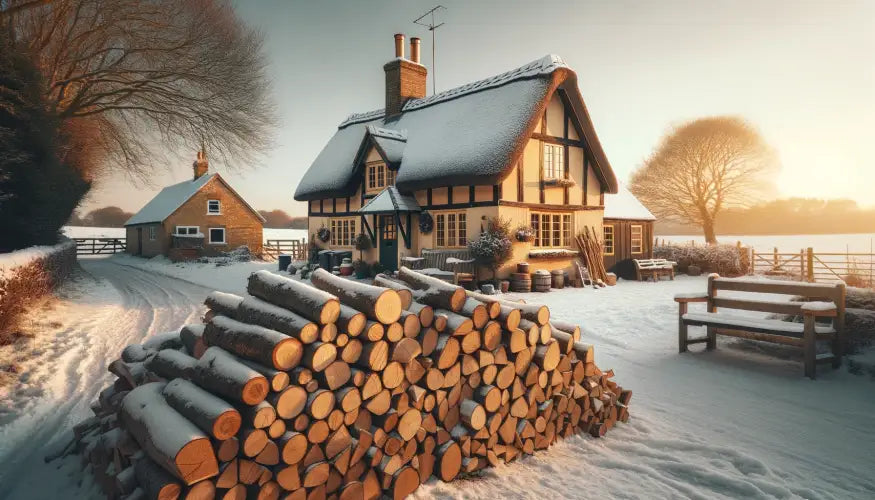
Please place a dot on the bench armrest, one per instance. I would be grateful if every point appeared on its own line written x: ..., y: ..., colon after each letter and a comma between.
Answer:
x: 819, y: 309
x: 691, y: 297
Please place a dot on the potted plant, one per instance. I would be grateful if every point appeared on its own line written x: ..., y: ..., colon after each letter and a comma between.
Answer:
x: 493, y: 247
x: 362, y: 244
x: 362, y: 269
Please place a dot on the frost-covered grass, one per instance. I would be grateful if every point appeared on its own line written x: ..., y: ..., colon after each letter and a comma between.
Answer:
x: 119, y: 232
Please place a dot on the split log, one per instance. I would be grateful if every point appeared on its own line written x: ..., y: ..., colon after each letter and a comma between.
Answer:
x: 224, y: 304
x: 210, y: 413
x: 448, y: 461
x: 378, y: 303
x: 256, y: 343
x: 309, y: 302
x: 432, y: 291
x: 219, y: 372
x: 262, y: 313
x: 567, y: 327
x: 289, y: 403
x: 564, y: 339
x: 154, y: 481
x: 375, y: 356
x: 167, y: 437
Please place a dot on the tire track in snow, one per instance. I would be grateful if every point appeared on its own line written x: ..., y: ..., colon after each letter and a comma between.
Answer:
x: 107, y: 308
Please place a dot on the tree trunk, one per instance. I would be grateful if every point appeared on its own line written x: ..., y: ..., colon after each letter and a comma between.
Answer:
x: 708, y: 228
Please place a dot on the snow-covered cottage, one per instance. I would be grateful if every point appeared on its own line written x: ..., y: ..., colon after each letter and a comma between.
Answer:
x: 628, y: 232
x: 426, y: 172
x: 202, y: 216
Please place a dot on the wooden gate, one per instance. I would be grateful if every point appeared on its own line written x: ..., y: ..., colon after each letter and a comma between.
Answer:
x: 855, y: 269
x: 296, y: 248
x: 99, y: 246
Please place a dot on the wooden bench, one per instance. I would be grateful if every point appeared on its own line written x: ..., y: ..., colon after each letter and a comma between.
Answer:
x: 822, y: 301
x: 653, y: 268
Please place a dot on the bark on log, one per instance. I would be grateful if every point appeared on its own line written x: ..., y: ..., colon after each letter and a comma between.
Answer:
x: 378, y: 303
x: 432, y: 291
x: 170, y: 364
x: 219, y: 372
x: 540, y: 314
x: 154, y: 481
x: 210, y: 413
x: 350, y: 321
x: 424, y: 311
x: 278, y: 379
x: 224, y: 304
x: 192, y: 337
x: 309, y: 302
x: 256, y: 343
x: 476, y: 310
x: 262, y: 313
x: 404, y: 291
x: 167, y: 437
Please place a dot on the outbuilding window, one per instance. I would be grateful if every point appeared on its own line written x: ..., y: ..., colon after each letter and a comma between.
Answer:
x: 217, y: 236
x: 153, y: 233
x: 637, y: 238
x: 552, y: 230
x: 451, y: 230
x: 214, y: 207
x: 554, y: 161
x: 187, y: 230
x: 609, y: 239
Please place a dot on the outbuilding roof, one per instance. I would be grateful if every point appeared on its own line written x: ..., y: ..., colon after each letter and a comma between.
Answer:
x: 169, y: 199
x: 469, y: 135
x: 625, y: 206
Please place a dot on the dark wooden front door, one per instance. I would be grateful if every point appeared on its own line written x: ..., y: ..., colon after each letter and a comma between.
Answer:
x: 388, y: 243
x: 139, y: 241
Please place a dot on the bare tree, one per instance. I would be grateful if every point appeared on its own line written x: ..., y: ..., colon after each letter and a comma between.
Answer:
x: 146, y: 77
x: 702, y: 167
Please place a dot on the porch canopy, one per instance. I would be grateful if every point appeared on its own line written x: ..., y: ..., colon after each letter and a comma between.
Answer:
x: 390, y: 202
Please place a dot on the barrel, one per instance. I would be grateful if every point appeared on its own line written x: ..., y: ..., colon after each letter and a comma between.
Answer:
x: 541, y: 281
x: 520, y: 282
x: 522, y: 267
x: 557, y: 278
x: 284, y: 260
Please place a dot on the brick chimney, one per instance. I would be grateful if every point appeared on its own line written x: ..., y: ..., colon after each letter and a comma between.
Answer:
x: 201, y: 165
x: 405, y: 79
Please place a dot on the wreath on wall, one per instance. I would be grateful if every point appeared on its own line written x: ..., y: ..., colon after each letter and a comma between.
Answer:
x: 426, y: 223
x: 324, y: 234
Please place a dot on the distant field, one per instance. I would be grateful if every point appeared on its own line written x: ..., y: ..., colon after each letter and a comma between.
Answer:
x: 854, y: 243
x: 119, y: 232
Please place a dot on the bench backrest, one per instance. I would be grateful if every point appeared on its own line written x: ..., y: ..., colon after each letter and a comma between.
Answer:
x: 650, y: 262
x: 437, y: 258
x: 834, y: 293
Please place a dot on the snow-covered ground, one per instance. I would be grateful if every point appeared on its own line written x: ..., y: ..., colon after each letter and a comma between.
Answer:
x: 119, y: 232
x: 736, y: 422
x: 854, y: 243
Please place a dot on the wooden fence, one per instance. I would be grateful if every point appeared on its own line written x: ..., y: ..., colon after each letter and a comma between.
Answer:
x: 855, y: 269
x: 98, y: 246
x: 296, y: 248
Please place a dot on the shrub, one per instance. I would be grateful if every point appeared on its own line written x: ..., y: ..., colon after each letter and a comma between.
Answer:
x: 493, y: 247
x: 361, y: 268
x: 726, y: 260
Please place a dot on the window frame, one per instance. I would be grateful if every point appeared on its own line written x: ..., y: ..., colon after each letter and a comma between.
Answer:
x: 210, y: 236
x: 197, y: 230
x: 451, y: 229
x: 218, y: 207
x: 548, y: 226
x: 640, y: 228
x: 612, y: 239
x: 553, y: 161
x: 378, y: 176
x: 153, y: 233
x: 343, y: 232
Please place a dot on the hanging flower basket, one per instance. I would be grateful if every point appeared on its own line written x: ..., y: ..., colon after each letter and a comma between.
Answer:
x: 560, y: 182
x: 324, y: 234
x: 426, y: 223
x: 524, y: 234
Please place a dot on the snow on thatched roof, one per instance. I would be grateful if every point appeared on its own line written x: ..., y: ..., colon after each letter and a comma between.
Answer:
x: 172, y: 197
x: 624, y: 205
x: 389, y: 201
x: 469, y: 135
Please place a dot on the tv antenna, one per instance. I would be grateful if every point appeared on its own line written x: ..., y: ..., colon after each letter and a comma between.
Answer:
x: 430, y: 24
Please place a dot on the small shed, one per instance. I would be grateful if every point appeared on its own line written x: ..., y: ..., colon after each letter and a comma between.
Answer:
x: 628, y: 232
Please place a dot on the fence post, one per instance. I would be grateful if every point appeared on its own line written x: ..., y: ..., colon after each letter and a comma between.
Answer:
x: 775, y: 259
x: 753, y: 260
x: 810, y: 261
x: 802, y: 276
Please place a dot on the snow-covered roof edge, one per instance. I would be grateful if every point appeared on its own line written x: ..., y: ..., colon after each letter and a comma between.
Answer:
x: 625, y: 206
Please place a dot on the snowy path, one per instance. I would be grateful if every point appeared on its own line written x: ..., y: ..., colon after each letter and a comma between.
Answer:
x: 97, y: 315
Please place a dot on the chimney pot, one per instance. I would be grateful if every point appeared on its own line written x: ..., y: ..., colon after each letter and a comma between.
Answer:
x: 414, y: 49
x: 399, y: 45
x: 201, y: 165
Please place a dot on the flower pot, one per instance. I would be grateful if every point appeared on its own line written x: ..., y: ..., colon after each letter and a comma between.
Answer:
x: 505, y: 286
x: 346, y: 269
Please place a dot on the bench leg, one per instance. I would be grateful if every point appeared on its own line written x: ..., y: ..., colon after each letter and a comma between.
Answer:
x: 809, y: 346
x: 712, y: 338
x: 682, y: 328
x: 837, y: 351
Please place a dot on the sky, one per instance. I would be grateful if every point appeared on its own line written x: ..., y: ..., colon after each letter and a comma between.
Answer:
x: 802, y: 72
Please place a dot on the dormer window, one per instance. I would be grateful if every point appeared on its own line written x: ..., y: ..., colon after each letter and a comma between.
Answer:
x: 554, y: 161
x: 378, y: 176
x: 214, y: 207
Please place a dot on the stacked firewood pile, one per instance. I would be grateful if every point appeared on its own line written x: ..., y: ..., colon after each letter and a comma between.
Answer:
x: 342, y: 390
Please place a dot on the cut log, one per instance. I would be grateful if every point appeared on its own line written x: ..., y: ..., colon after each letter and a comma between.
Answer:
x: 448, y: 461
x: 489, y: 396
x: 567, y: 327
x: 378, y: 303
x: 210, y: 413
x: 192, y: 337
x: 334, y: 375
x: 410, y: 323
x: 318, y: 355
x: 351, y: 321
x: 262, y: 313
x: 227, y: 449
x: 309, y: 302
x: 170, y: 364
x: 224, y: 304
x: 404, y: 482
x: 446, y: 352
x: 320, y: 403
x: 220, y: 373
x: 252, y: 441
x: 565, y: 339
x: 475, y: 310
x: 425, y: 313
x: 547, y: 356
x: 457, y: 324
x: 290, y: 402
x: 255, y: 343
x: 154, y: 481
x: 584, y: 352
x: 539, y: 314
x: 428, y: 338
x: 278, y: 379
x: 404, y: 292
x: 167, y: 437
x: 432, y: 291
x: 405, y: 350
x: 375, y: 356
x: 260, y: 416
